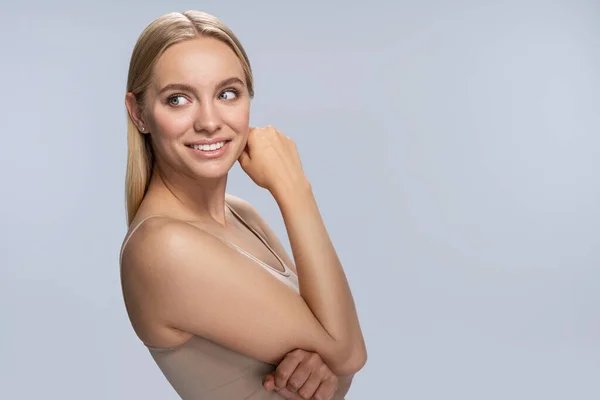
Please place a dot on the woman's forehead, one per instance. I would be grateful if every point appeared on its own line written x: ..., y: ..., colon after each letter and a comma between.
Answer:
x: 203, y: 61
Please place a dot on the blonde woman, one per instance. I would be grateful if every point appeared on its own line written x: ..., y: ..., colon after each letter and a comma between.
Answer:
x: 208, y: 287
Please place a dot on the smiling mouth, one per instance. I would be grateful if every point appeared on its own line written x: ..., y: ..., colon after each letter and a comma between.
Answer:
x: 208, y: 147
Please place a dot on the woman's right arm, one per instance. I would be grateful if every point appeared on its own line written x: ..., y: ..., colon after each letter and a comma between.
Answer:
x: 195, y: 283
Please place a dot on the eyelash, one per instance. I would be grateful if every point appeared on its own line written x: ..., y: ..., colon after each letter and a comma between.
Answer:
x: 237, y: 92
x: 173, y: 96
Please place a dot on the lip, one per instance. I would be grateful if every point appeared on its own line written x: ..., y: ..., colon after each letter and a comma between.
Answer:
x: 207, y: 141
x: 210, y: 154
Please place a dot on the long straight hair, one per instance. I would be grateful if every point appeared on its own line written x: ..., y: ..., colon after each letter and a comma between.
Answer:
x: 159, y: 35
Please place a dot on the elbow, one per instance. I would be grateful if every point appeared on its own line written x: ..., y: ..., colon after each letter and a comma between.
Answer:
x: 353, y: 363
x: 357, y: 361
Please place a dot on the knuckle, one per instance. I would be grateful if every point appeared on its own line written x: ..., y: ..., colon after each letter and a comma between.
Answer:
x: 319, y: 395
x: 323, y: 394
x: 304, y: 394
x: 298, y: 352
x: 315, y: 357
x: 323, y: 369
x: 294, y: 357
x: 294, y: 384
x: 281, y: 374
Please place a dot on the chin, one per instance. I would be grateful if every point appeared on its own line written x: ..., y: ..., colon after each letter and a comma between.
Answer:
x: 213, y: 170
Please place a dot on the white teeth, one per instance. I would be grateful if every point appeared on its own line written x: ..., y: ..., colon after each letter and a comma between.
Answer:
x: 209, y: 147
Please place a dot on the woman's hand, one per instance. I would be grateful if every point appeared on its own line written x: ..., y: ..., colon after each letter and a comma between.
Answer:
x: 272, y: 160
x: 302, y: 375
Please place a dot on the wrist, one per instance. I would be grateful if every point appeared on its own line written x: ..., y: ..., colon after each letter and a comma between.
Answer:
x: 292, y: 191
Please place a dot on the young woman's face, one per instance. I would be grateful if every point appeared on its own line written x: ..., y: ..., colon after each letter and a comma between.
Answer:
x: 197, y: 108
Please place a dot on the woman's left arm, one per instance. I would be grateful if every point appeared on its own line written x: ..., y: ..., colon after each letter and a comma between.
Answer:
x: 286, y: 369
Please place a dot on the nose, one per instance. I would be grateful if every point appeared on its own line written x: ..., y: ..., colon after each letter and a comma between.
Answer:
x: 207, y: 119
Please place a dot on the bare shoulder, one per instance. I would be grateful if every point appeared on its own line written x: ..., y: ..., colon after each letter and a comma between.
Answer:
x: 156, y: 253
x: 163, y: 237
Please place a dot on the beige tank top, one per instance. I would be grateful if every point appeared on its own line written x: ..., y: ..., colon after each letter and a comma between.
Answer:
x: 202, y: 369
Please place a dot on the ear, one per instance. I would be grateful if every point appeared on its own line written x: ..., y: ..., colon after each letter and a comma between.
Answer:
x: 135, y: 113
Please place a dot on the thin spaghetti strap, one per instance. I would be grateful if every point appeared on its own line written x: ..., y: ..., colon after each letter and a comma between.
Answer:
x: 286, y: 269
x: 132, y: 231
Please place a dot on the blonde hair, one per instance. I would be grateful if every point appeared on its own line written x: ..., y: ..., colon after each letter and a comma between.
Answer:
x: 159, y: 35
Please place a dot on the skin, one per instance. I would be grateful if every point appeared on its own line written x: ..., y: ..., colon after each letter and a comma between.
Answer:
x: 304, y: 375
x: 162, y: 260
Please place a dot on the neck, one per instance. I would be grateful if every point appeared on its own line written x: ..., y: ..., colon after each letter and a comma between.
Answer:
x: 193, y: 199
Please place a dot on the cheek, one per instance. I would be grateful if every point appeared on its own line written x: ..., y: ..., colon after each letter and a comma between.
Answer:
x: 241, y: 119
x: 238, y: 119
x: 171, y: 124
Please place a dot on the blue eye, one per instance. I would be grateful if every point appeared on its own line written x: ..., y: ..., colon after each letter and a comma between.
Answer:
x: 175, y: 100
x: 232, y: 94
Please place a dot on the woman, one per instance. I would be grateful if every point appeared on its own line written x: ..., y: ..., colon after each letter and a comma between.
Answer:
x: 197, y: 264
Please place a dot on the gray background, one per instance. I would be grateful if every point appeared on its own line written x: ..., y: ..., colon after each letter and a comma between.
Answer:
x: 453, y: 148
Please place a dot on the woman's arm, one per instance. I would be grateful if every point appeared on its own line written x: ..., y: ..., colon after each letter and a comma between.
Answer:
x: 272, y: 161
x: 288, y: 376
x: 323, y: 284
x: 251, y: 216
x: 187, y: 280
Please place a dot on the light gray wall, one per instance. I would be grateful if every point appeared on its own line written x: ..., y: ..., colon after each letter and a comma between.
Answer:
x: 453, y: 146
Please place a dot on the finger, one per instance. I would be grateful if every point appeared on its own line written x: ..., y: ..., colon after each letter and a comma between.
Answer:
x: 286, y: 368
x: 269, y: 382
x: 311, y: 385
x: 326, y: 389
x: 244, y: 157
x: 249, y: 142
x: 302, y: 373
x: 287, y: 395
x: 312, y: 365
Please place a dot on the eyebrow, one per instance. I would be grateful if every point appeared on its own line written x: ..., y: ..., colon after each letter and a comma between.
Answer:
x: 189, y: 88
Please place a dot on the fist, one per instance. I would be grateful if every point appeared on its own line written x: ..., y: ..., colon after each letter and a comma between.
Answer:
x: 302, y: 375
x: 271, y: 159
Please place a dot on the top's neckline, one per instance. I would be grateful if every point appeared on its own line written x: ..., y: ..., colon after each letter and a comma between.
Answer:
x: 286, y: 269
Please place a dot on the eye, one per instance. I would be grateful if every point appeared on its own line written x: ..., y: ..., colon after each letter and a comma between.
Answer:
x: 176, y: 100
x: 229, y: 94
